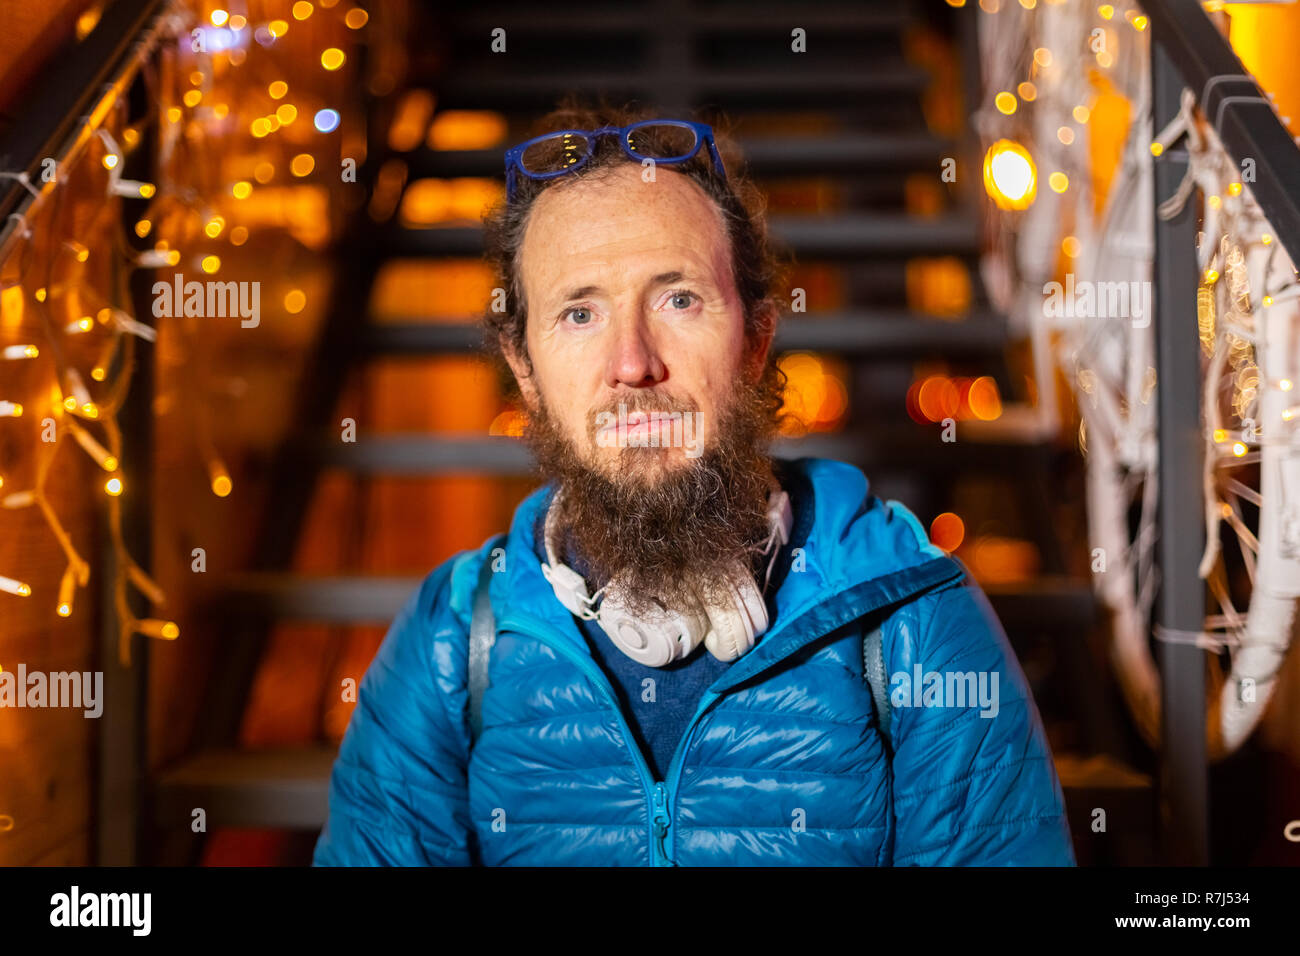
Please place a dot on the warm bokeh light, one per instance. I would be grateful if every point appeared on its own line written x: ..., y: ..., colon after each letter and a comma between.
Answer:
x: 816, y: 398
x: 983, y: 399
x: 947, y: 531
x: 466, y: 129
x: 428, y: 202
x: 938, y: 398
x: 510, y: 423
x: 1010, y: 178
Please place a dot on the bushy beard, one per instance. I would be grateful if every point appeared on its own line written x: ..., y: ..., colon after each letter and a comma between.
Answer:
x: 665, y: 531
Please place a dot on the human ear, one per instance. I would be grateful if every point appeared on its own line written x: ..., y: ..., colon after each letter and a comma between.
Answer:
x: 520, y: 367
x: 760, y: 340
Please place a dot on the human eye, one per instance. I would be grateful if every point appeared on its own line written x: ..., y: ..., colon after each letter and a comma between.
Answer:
x: 579, y: 315
x: 681, y: 299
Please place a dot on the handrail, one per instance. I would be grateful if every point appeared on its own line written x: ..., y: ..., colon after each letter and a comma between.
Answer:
x: 64, y: 95
x: 1232, y: 102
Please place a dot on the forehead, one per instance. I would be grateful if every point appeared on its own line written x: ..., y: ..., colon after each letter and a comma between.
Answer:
x: 614, y: 221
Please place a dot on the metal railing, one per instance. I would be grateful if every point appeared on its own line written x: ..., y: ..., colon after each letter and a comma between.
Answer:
x: 1189, y: 52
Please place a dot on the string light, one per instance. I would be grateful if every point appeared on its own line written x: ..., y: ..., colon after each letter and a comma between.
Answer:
x: 12, y: 586
x: 91, y: 419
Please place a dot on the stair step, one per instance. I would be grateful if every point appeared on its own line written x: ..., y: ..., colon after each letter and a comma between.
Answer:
x: 284, y: 787
x: 850, y: 154
x: 289, y: 787
x: 772, y: 89
x: 838, y: 237
x: 1053, y: 601
x: 749, y: 17
x: 333, y: 599
x: 875, y: 334
x: 375, y: 600
x: 889, y: 449
x: 1096, y: 773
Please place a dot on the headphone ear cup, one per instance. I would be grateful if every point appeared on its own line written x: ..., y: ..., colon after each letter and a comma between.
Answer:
x: 735, y: 627
x: 654, y: 639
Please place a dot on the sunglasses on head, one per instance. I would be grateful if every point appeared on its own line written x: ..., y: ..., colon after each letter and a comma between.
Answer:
x: 566, y: 150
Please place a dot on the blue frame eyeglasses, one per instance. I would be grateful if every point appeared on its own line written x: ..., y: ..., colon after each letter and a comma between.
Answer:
x: 570, y: 149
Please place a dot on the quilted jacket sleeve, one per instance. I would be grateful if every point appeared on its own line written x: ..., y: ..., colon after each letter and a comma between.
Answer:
x: 398, y: 792
x: 974, y: 785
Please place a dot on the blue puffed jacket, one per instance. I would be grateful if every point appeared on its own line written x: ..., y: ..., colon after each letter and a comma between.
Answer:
x: 783, y: 763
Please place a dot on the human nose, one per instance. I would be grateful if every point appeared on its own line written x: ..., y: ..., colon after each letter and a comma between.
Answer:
x: 633, y: 359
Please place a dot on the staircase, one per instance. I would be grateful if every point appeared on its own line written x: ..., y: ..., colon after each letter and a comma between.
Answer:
x: 863, y: 102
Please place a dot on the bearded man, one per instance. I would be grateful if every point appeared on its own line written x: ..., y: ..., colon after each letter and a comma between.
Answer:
x: 687, y: 652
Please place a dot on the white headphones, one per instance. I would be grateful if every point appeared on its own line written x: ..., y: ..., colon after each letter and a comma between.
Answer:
x: 663, y: 635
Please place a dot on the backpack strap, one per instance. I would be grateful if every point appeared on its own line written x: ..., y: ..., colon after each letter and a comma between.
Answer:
x: 482, y: 635
x: 873, y: 669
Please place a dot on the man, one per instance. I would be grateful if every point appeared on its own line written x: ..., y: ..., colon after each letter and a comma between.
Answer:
x: 638, y: 323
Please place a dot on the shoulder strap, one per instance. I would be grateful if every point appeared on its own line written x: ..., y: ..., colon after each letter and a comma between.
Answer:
x: 482, y: 635
x: 873, y: 669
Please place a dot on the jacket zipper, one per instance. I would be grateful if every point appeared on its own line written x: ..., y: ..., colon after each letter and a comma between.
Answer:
x: 656, y: 792
x: 662, y: 824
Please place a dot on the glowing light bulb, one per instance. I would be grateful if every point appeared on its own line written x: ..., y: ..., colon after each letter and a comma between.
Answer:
x: 113, y: 486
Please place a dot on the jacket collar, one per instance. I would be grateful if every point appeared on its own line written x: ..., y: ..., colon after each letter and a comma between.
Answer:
x: 849, y: 553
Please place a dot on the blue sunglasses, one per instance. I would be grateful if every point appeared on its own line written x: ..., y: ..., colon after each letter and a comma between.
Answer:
x: 554, y: 154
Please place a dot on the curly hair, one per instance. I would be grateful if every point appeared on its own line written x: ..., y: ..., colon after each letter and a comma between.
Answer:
x: 756, y: 268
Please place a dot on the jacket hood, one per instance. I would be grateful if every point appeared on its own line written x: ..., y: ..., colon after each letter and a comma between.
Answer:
x: 843, y: 538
